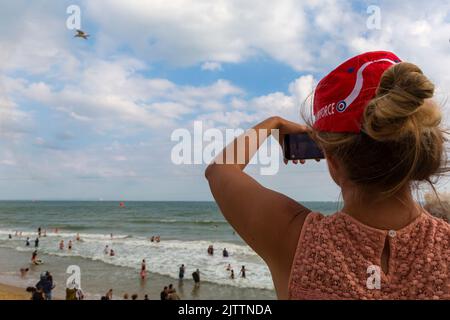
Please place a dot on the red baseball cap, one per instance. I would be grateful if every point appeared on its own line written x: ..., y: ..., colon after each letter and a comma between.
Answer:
x: 341, y: 96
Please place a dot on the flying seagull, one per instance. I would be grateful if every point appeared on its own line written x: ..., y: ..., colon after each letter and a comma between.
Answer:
x: 81, y: 34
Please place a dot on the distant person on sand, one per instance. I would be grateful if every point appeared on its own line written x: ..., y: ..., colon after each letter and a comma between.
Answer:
x: 125, y: 296
x: 61, y: 245
x: 69, y: 246
x: 181, y: 272
x: 36, y: 294
x: 46, y: 285
x: 134, y: 296
x: 27, y: 242
x: 163, y: 294
x: 36, y: 243
x: 196, y: 276
x: 225, y: 253
x: 173, y: 295
x: 146, y: 297
x: 109, y: 294
x: 71, y: 293
x: 242, y: 272
x: 80, y: 294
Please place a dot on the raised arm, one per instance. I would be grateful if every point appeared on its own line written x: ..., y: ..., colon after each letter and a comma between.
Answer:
x: 268, y: 221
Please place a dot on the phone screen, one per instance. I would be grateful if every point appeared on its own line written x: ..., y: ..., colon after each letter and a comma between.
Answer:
x: 301, y: 147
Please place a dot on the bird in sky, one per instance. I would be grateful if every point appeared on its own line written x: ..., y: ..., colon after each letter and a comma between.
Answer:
x: 81, y: 34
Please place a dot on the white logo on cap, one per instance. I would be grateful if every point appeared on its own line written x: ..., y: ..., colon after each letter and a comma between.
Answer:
x: 344, y: 104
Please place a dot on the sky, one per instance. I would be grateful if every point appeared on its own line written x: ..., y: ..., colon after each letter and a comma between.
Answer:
x: 92, y: 119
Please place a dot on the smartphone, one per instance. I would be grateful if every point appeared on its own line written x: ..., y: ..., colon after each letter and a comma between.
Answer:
x: 301, y: 147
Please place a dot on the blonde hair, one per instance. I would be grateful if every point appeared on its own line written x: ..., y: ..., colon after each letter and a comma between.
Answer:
x: 401, y: 139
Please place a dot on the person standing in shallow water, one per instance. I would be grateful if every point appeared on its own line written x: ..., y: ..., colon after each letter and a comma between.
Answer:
x: 196, y: 277
x: 143, y: 272
x: 181, y: 272
x: 381, y: 134
x: 36, y: 243
x: 243, y: 272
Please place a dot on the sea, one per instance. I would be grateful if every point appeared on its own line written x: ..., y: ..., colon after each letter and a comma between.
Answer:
x: 186, y: 229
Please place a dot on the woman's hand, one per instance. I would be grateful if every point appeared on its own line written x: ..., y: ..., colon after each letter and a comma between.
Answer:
x: 288, y: 127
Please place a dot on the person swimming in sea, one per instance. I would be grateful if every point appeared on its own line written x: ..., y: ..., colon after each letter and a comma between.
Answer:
x: 61, y: 245
x: 27, y: 242
x: 69, y: 246
x: 225, y: 253
x: 34, y: 259
x: 24, y: 271
x: 112, y: 253
x: 106, y: 250
x: 232, y: 274
x: 36, y: 243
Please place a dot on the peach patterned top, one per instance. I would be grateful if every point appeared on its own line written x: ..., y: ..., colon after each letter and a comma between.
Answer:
x: 335, y: 252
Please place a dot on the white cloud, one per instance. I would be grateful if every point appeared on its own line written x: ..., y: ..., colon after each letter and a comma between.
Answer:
x: 104, y: 89
x: 211, y: 66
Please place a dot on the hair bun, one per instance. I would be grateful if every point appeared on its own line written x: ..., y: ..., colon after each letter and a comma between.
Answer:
x: 406, y: 85
x: 399, y: 106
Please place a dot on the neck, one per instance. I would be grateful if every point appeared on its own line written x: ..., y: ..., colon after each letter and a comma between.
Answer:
x: 394, y: 212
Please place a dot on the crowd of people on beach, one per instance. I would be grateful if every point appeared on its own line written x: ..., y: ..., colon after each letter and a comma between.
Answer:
x: 43, y: 289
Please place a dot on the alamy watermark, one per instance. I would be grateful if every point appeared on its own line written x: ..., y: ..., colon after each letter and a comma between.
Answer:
x: 73, y: 21
x: 203, y: 147
x: 374, y: 278
x: 74, y: 280
x: 374, y: 19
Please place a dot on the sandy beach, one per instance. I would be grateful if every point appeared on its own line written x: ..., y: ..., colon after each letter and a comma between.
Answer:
x: 8, y: 292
